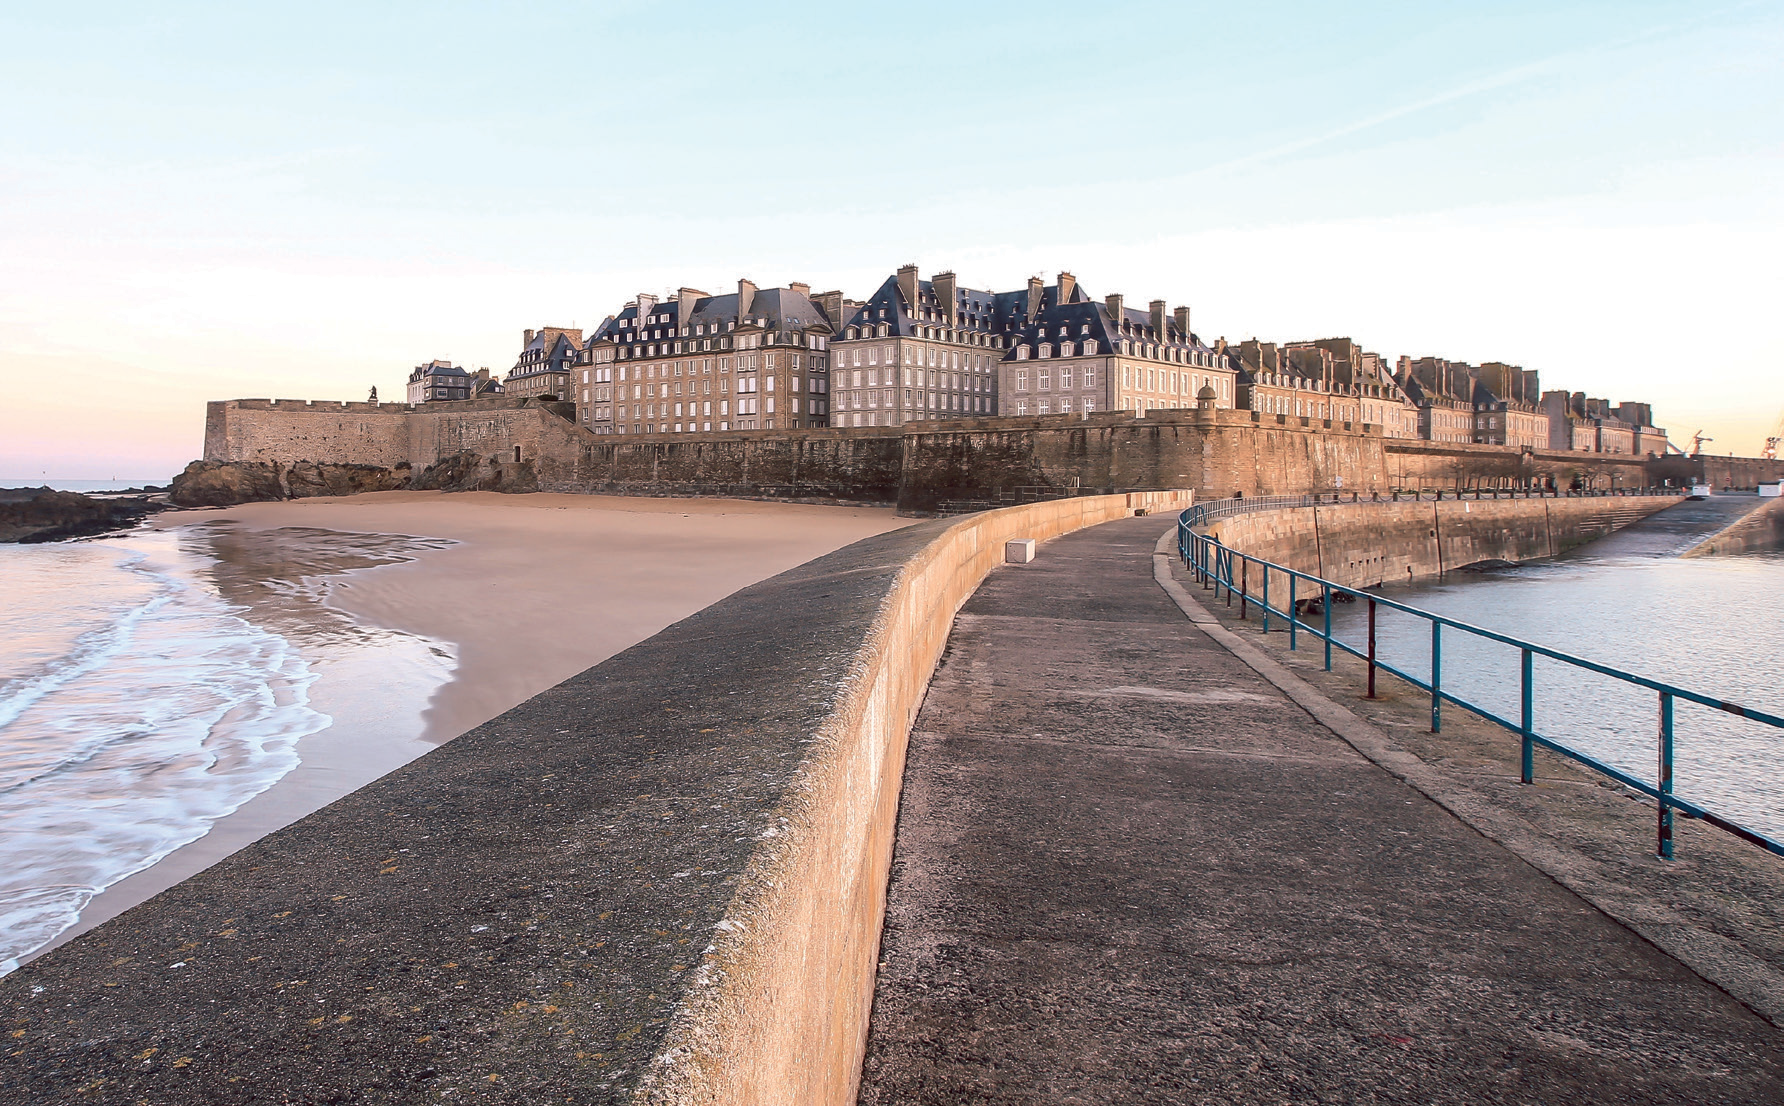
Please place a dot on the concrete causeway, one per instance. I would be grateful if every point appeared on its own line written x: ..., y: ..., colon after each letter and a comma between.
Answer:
x: 1129, y: 869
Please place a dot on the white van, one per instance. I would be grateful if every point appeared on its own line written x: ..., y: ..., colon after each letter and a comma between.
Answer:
x: 1771, y: 491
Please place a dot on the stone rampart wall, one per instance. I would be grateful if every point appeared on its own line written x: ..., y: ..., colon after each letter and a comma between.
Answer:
x: 1363, y: 545
x: 1744, y: 473
x: 921, y: 467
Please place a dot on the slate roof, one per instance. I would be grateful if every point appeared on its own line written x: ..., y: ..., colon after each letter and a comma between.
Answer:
x: 781, y: 309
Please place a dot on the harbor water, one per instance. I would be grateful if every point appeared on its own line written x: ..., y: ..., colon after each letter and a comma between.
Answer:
x: 1714, y: 625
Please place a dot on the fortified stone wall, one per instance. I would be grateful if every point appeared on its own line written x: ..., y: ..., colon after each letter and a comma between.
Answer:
x: 1745, y: 473
x: 1364, y: 545
x: 1413, y: 465
x: 920, y: 467
x: 840, y: 465
x: 287, y: 431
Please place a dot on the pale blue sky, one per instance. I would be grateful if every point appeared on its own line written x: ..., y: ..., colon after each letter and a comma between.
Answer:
x: 210, y: 201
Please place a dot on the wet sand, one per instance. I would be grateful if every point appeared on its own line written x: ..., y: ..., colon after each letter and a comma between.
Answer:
x: 534, y: 589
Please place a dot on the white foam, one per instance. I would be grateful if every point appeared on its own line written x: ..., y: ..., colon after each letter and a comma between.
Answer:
x: 136, y: 740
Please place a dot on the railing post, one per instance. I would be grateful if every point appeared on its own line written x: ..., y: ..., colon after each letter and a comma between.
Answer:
x: 1664, y: 847
x: 1326, y: 603
x: 1266, y: 597
x: 1294, y: 611
x: 1244, y: 586
x: 1372, y: 647
x: 1436, y: 676
x: 1527, y: 720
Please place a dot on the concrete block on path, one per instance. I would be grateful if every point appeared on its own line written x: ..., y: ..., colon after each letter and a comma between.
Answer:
x: 1018, y: 551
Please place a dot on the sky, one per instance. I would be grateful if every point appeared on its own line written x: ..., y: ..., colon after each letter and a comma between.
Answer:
x: 205, y: 201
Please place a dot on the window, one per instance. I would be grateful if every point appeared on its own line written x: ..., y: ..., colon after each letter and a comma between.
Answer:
x: 1065, y: 376
x: 1043, y: 380
x: 1022, y: 380
x: 1046, y: 351
x: 1089, y: 378
x: 1021, y: 353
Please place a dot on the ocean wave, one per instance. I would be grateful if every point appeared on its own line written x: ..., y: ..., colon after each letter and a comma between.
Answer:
x: 166, y: 712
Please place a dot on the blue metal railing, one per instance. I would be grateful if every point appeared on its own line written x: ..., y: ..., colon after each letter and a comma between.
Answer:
x: 1221, y: 568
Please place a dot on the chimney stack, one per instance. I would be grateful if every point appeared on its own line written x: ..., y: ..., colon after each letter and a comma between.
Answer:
x: 746, y: 297
x: 1157, y: 307
x: 685, y: 299
x: 1182, y: 314
x: 907, y: 287
x: 1036, y: 296
x: 830, y: 303
x: 1067, y: 285
x: 1113, y: 301
x: 946, y: 292
x: 646, y: 304
x: 526, y: 341
x: 802, y: 289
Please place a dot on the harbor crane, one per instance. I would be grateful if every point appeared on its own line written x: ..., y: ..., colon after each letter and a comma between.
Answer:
x: 1697, y: 441
x: 1772, y: 443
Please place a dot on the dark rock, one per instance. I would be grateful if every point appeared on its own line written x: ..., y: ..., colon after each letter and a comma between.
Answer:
x: 224, y: 484
x: 307, y: 478
x: 32, y: 515
x: 467, y: 471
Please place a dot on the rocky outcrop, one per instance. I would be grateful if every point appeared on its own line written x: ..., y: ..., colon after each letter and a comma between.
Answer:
x: 226, y: 483
x: 30, y: 515
x: 307, y: 478
x: 467, y: 471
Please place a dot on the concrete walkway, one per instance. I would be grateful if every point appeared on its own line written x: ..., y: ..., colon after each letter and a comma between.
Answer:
x: 1130, y: 870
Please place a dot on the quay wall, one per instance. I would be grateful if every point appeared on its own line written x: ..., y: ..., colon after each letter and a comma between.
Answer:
x: 1364, y: 545
x: 661, y: 881
x: 1739, y: 473
x: 1762, y: 528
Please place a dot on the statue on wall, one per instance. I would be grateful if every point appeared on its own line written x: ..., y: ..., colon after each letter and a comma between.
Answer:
x: 373, y: 398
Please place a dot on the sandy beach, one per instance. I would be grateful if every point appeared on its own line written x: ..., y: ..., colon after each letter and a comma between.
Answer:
x: 523, y: 590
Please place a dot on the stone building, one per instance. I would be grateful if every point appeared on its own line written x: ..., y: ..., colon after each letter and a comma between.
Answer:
x: 1443, y: 391
x: 698, y: 363
x: 1614, y: 435
x: 1067, y: 353
x: 916, y: 350
x: 1508, y: 407
x: 438, y: 381
x: 1650, y: 440
x: 1331, y: 378
x: 543, y: 368
x: 1569, y: 428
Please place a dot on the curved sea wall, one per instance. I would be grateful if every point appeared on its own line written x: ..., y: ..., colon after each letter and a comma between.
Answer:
x: 663, y: 879
x: 1366, y: 544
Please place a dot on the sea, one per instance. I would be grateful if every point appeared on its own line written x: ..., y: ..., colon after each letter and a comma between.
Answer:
x: 158, y: 683
x: 1712, y: 625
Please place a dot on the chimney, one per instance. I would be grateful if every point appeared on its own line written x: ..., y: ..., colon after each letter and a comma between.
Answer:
x: 1157, y: 308
x: 1036, y: 296
x: 685, y: 299
x: 945, y: 292
x: 746, y: 297
x: 1067, y: 285
x: 802, y: 289
x: 646, y: 304
x: 1113, y: 301
x: 830, y: 303
x: 1182, y: 314
x: 907, y: 287
x: 527, y: 341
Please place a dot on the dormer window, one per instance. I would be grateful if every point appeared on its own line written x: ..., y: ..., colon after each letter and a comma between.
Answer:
x: 1021, y: 353
x: 1046, y: 350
